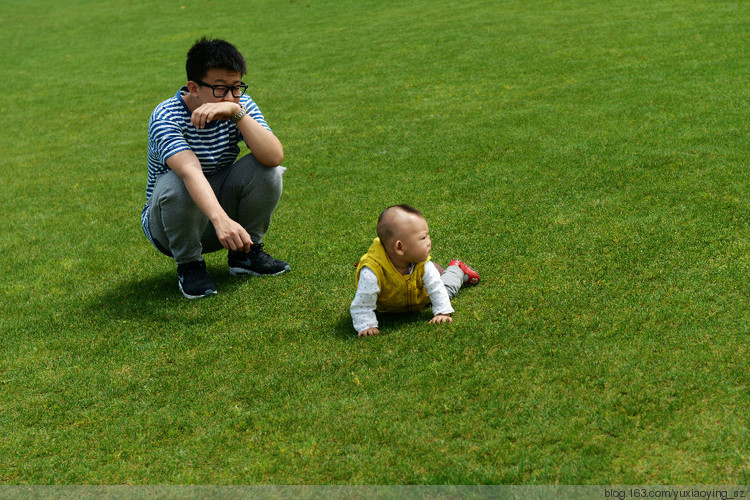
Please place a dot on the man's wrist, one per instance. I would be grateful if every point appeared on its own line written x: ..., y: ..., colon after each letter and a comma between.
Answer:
x: 239, y: 115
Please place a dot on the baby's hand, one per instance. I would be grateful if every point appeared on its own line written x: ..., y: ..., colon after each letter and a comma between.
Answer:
x: 441, y: 318
x: 368, y: 332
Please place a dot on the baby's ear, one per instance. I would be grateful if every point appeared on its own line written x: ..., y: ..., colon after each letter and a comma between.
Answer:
x: 398, y: 247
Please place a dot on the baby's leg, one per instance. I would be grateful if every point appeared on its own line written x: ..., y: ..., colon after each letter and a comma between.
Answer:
x: 453, y: 279
x: 457, y: 275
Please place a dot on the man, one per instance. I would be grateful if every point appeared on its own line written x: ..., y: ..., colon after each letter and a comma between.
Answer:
x: 199, y: 197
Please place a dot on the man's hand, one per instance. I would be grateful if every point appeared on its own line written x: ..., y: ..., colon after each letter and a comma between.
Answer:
x: 368, y: 332
x: 441, y: 318
x: 212, y: 111
x: 232, y: 235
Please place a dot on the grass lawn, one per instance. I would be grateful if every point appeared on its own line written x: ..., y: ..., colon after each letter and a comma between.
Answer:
x: 590, y: 159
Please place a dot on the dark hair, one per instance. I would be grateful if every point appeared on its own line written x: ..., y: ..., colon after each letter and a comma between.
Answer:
x: 207, y: 54
x: 385, y: 230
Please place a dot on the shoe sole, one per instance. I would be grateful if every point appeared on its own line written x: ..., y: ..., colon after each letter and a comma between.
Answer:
x: 188, y: 296
x: 241, y: 271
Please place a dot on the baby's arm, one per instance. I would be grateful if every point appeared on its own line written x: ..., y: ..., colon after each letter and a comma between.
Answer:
x: 365, y: 301
x: 441, y: 302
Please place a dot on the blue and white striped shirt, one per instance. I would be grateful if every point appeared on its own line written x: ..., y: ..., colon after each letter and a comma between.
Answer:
x: 170, y: 131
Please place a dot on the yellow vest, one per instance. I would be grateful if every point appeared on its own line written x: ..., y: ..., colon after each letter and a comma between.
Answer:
x: 398, y: 293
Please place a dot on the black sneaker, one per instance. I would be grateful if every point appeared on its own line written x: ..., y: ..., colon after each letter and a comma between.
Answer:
x: 256, y: 262
x: 194, y: 280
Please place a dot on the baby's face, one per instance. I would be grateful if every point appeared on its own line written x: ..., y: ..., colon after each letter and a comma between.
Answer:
x: 415, y: 235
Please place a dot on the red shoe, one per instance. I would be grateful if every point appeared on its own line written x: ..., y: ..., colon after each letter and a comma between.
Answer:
x: 472, y: 274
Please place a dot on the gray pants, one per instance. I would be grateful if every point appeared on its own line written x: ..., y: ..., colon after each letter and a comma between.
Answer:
x: 453, y: 279
x: 247, y: 191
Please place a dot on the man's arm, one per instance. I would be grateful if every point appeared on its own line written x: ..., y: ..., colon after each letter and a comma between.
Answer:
x: 232, y: 235
x: 265, y: 146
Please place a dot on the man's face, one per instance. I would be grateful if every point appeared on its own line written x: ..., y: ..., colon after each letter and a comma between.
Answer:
x: 216, y: 76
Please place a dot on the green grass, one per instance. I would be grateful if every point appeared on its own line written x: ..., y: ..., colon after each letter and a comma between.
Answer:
x: 590, y: 159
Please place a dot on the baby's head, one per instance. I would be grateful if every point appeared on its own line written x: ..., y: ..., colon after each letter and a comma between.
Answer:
x: 404, y: 233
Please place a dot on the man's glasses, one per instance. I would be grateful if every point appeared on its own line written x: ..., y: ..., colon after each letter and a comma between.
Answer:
x: 222, y: 90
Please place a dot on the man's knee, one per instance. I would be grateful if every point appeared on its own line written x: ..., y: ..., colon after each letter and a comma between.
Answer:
x: 170, y: 187
x: 171, y: 200
x: 259, y: 177
x: 272, y: 177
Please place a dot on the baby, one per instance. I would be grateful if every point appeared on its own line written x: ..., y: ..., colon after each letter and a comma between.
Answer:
x: 396, y: 275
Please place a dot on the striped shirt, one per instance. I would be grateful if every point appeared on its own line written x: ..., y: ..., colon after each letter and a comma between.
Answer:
x: 170, y: 131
